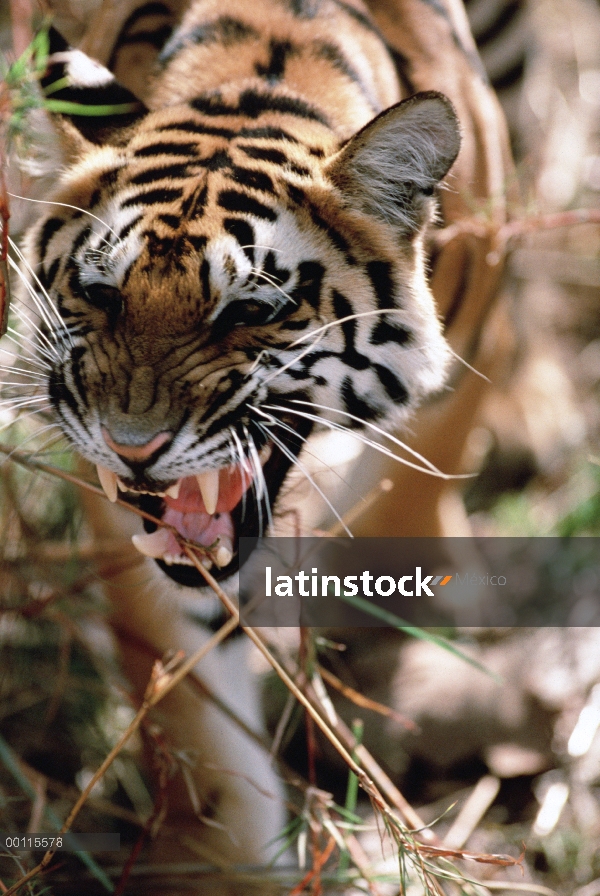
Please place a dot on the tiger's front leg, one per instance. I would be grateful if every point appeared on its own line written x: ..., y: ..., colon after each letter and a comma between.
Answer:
x: 229, y: 800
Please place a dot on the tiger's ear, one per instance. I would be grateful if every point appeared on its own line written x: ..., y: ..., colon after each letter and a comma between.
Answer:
x: 389, y: 168
x: 85, y: 99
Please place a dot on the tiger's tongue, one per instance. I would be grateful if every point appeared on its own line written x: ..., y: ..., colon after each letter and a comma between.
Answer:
x: 187, y: 512
x: 233, y: 482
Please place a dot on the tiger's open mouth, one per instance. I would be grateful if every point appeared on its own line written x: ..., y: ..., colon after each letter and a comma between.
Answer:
x: 212, y: 510
x: 202, y: 509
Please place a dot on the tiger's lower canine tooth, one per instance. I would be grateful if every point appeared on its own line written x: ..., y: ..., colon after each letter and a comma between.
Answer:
x: 108, y: 481
x: 224, y: 552
x: 208, y: 483
x: 173, y: 492
x: 152, y: 544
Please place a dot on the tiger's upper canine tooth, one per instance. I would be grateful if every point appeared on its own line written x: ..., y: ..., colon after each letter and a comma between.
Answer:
x: 208, y: 483
x: 152, y: 544
x: 173, y: 492
x: 108, y: 481
x: 224, y: 552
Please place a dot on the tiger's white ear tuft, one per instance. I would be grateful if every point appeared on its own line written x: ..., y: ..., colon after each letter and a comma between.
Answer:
x: 390, y: 168
x: 87, y: 103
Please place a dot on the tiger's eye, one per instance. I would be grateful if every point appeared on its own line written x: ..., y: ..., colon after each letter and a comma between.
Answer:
x: 105, y: 297
x: 244, y: 312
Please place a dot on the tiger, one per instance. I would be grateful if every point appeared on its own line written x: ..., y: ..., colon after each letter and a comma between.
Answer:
x: 233, y: 258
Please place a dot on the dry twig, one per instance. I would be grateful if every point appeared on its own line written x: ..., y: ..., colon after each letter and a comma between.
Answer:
x: 483, y: 228
x: 365, y: 702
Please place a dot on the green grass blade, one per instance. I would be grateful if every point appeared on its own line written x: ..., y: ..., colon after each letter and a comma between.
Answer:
x: 351, y: 789
x: 65, y: 107
x: 396, y: 622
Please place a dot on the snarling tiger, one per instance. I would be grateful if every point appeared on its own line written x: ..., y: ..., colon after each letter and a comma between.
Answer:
x: 233, y: 258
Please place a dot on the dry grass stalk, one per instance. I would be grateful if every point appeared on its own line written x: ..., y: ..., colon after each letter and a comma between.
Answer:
x: 365, y: 702
x: 166, y: 764
x: 58, y: 552
x: 339, y: 527
x: 262, y: 647
x: 483, y: 858
x: 341, y: 733
x: 318, y: 863
x: 484, y: 228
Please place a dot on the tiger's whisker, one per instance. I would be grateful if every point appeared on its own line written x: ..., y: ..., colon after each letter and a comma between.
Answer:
x: 258, y: 246
x: 376, y: 429
x: 269, y: 354
x: 24, y: 318
x: 19, y: 385
x: 275, y: 422
x: 320, y: 330
x: 65, y: 205
x: 35, y: 435
x: 252, y: 455
x: 256, y: 483
x: 27, y: 373
x: 336, y: 427
x: 24, y: 341
x: 380, y: 448
x: 342, y: 320
x: 271, y: 281
x: 35, y: 362
x: 45, y: 293
x: 295, y: 360
x: 260, y: 476
x: 15, y: 403
x: 39, y: 312
x: 35, y: 311
x: 297, y: 463
x: 21, y: 416
x: 238, y: 454
x: 245, y: 466
x: 469, y: 366
x: 31, y: 396
x: 339, y: 427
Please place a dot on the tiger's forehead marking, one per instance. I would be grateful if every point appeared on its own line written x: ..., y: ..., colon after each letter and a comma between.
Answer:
x: 185, y: 131
x: 239, y: 174
x: 167, y: 192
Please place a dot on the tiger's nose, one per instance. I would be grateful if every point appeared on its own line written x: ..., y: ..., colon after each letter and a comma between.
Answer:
x: 137, y: 453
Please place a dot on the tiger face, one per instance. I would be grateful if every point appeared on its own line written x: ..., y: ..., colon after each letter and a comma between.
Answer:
x: 229, y: 272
